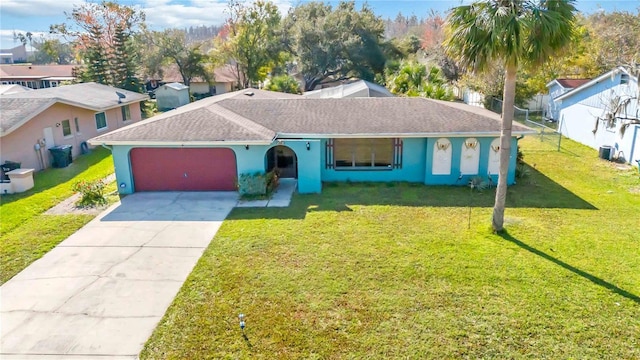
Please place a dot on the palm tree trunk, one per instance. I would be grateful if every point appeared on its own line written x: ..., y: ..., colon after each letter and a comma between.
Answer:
x: 505, y: 147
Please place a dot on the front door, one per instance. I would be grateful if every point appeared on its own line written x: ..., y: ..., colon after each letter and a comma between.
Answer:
x: 284, y: 159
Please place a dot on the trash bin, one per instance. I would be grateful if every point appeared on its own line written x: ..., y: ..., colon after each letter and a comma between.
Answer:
x: 605, y: 152
x: 9, y: 166
x: 61, y: 155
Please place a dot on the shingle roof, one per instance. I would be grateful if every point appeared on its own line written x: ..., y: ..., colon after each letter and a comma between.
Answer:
x: 222, y: 74
x: 14, y: 111
x: 10, y: 89
x: 359, y: 116
x: 35, y: 71
x: 572, y: 83
x: 18, y: 108
x: 235, y: 117
x: 90, y: 95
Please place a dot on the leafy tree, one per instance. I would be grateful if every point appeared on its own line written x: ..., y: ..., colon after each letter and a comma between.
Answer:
x: 615, y: 38
x: 253, y: 40
x: 284, y: 83
x: 95, y: 57
x: 52, y: 51
x: 172, y: 47
x: 513, y: 33
x: 335, y: 44
x: 412, y: 79
x: 102, y: 33
x: 24, y: 38
x: 124, y: 61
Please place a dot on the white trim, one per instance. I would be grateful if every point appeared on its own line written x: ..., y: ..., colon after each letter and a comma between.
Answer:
x: 402, y: 135
x: 595, y: 81
x: 156, y: 143
x: 106, y: 121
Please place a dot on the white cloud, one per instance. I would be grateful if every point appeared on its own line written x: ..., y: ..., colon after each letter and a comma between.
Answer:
x: 31, y: 8
x: 179, y: 14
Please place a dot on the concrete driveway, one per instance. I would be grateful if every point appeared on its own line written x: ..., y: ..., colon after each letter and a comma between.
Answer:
x: 101, y: 292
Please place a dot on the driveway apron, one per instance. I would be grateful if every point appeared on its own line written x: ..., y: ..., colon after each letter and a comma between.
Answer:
x: 101, y: 292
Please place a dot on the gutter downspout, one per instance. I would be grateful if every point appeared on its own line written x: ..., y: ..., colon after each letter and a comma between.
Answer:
x: 106, y: 147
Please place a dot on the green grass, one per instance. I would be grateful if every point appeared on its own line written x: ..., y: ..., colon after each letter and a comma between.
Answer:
x: 27, y: 233
x: 393, y: 271
x: 52, y: 186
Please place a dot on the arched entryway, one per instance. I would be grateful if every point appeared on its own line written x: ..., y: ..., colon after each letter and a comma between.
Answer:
x: 283, y: 158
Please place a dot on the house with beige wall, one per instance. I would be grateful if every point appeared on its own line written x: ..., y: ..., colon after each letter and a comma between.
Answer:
x: 223, y: 80
x: 34, y: 121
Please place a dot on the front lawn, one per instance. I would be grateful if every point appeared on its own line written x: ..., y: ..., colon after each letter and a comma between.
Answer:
x: 393, y: 271
x: 25, y: 232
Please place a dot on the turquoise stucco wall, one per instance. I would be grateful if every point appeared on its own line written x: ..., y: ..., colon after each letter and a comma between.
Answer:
x: 413, y: 162
x: 416, y: 164
x: 456, y: 146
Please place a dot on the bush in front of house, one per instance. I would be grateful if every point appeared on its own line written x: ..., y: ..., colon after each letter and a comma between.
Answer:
x: 92, y: 192
x: 258, y: 183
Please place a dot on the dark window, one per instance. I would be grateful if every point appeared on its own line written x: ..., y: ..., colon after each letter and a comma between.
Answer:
x: 365, y: 153
x: 101, y: 121
x: 624, y: 79
x: 75, y: 120
x: 126, y: 113
x: 66, y: 128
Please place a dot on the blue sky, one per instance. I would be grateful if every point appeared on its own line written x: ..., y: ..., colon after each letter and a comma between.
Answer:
x: 37, y: 15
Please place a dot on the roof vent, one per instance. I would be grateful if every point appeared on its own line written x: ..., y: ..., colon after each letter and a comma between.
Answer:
x: 249, y: 93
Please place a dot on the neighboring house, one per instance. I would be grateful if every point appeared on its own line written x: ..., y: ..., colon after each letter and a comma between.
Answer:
x: 36, y: 76
x: 17, y: 54
x: 556, y: 88
x: 359, y: 88
x: 172, y: 96
x: 34, y: 121
x: 223, y: 81
x: 586, y: 114
x: 208, y: 144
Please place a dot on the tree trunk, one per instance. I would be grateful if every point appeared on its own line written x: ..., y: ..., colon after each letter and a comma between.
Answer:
x: 505, y: 146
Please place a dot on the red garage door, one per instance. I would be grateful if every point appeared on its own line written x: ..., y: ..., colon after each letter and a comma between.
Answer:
x: 183, y: 169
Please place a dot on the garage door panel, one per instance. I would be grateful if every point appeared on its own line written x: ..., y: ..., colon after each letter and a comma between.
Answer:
x: 183, y: 169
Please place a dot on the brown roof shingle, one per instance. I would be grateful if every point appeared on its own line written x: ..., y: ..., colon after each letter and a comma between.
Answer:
x: 572, y: 83
x: 35, y: 71
x: 265, y: 115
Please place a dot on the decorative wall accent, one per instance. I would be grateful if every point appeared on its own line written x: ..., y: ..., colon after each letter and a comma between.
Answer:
x: 442, y: 152
x: 471, y: 143
x: 470, y: 157
x: 494, y: 157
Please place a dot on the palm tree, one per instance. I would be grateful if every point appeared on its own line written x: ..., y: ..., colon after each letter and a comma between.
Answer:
x: 514, y: 33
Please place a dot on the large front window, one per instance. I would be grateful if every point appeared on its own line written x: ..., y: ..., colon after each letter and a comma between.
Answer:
x: 365, y: 153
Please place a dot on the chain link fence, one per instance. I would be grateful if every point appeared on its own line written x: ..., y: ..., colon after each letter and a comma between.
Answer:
x: 547, y: 131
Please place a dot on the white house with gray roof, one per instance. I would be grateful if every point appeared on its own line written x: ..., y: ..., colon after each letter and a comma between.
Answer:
x: 34, y: 121
x: 211, y: 143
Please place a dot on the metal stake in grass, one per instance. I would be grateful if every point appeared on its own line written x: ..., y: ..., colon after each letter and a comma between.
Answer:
x: 471, y: 185
x: 242, y: 324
